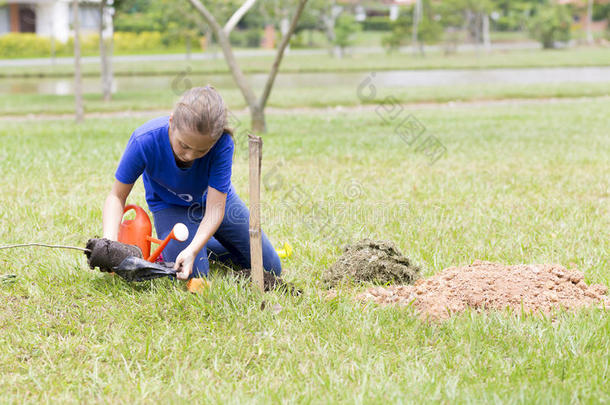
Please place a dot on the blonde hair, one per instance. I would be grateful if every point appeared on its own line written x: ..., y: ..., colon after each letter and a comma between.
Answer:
x: 202, y: 110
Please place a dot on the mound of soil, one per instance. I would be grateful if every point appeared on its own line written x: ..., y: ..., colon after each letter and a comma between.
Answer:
x: 372, y: 261
x: 534, y: 288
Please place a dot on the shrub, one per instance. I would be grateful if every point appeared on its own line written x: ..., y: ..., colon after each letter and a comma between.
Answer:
x: 137, y: 22
x: 298, y: 40
x: 253, y: 38
x: 428, y: 31
x: 246, y: 38
x: 377, y: 23
x: 89, y: 44
x: 506, y: 23
x: 400, y: 35
x: 345, y: 27
x: 550, y: 25
x: 24, y: 45
x: 603, y: 13
x: 18, y: 45
x: 132, y: 42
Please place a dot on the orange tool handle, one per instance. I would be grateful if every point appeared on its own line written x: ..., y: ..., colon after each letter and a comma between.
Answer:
x: 162, y: 244
x: 179, y: 233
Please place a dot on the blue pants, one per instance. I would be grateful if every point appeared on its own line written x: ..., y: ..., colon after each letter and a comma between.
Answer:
x: 230, y: 244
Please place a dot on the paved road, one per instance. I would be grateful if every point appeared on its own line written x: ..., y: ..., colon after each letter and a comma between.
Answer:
x: 241, y: 53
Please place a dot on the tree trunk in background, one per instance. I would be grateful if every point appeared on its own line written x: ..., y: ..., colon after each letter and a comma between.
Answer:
x: 590, y: 22
x: 476, y: 30
x: 486, y: 36
x: 417, y: 16
x: 284, y: 27
x: 105, y: 56
x: 337, y: 52
x: 78, y: 80
x: 53, y: 51
x: 452, y: 39
x: 329, y: 29
x: 329, y: 18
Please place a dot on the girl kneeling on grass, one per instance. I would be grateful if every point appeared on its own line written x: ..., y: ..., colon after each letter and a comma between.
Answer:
x: 186, y: 161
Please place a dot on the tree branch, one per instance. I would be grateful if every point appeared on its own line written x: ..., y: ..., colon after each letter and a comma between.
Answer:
x: 223, y: 40
x: 206, y: 14
x: 280, y: 54
x: 235, y: 18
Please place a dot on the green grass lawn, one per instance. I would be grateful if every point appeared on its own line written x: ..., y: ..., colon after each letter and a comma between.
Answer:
x: 518, y: 184
x: 311, y: 96
x: 584, y: 56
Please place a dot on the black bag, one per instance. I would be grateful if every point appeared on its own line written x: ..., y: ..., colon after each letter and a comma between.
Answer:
x: 124, y: 260
x: 137, y: 269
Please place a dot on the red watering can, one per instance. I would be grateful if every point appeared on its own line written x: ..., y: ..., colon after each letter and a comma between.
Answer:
x: 138, y: 231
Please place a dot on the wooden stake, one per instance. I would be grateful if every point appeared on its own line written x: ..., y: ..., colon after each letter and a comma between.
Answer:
x: 255, y: 145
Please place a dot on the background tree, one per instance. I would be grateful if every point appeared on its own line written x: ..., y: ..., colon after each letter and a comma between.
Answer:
x: 181, y: 25
x: 78, y: 80
x: 311, y: 20
x: 140, y: 16
x: 602, y: 12
x: 425, y: 31
x: 174, y: 20
x: 107, y: 11
x: 551, y: 24
x: 319, y: 15
x: 256, y: 106
x: 453, y: 20
x: 345, y: 28
x: 418, y: 14
x: 513, y: 15
x: 590, y: 21
x: 399, y: 34
x: 477, y: 20
x: 429, y: 29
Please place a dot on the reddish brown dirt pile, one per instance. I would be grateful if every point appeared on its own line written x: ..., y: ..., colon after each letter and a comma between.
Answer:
x: 537, y: 288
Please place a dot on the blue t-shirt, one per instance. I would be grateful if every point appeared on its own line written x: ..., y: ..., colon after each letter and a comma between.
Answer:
x: 149, y: 153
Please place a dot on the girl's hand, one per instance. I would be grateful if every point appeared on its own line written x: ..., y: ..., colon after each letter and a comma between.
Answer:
x: 184, y: 264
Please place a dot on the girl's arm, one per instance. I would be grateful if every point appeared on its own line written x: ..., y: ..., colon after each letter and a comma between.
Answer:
x: 113, y: 209
x: 214, y: 214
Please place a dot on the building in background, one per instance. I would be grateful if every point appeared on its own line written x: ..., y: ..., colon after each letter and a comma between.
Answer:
x: 581, y: 18
x: 52, y: 18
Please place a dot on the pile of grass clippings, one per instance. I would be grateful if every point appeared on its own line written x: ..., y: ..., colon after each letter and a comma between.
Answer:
x: 378, y: 262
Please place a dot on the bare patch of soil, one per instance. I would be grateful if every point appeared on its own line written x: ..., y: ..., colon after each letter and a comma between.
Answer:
x: 531, y: 288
